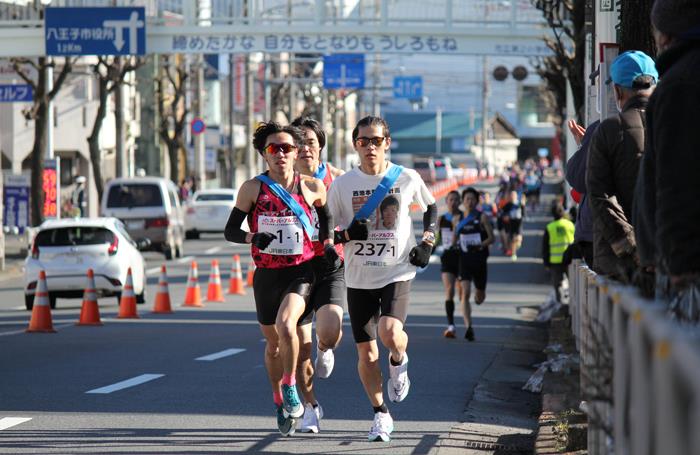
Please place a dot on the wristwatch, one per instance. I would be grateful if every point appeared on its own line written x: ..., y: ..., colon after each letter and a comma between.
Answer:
x: 429, y: 237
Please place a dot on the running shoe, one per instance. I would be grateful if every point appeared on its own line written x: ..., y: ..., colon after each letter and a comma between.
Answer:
x: 290, y: 399
x: 514, y: 257
x: 398, y: 383
x: 286, y: 425
x: 449, y: 332
x: 325, y: 360
x: 382, y: 427
x: 470, y: 334
x: 310, y: 423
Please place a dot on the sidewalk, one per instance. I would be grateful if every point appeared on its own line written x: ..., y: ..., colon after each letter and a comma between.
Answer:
x: 15, y: 253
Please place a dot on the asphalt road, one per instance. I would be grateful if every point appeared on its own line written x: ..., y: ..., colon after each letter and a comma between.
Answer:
x: 188, y: 405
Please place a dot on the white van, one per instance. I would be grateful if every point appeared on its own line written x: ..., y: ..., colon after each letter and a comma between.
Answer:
x: 149, y: 207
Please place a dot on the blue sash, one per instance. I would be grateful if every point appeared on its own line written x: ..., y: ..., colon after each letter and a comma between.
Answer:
x: 321, y: 171
x: 290, y: 202
x: 382, y: 189
x: 468, y: 219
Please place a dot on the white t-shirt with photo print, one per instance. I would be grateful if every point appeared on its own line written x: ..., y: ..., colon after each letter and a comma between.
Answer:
x: 383, y: 258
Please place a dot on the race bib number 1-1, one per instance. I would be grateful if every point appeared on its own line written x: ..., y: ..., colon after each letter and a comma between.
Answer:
x: 469, y: 239
x: 288, y: 232
x: 379, y: 250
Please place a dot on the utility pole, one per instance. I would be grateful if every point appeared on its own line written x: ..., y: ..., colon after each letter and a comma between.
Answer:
x: 438, y: 131
x: 338, y: 133
x: 249, y: 114
x: 231, y: 111
x: 484, y: 110
x: 199, y: 142
x: 121, y: 159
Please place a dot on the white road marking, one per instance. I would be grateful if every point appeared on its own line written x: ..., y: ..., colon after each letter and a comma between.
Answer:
x: 126, y: 384
x: 9, y: 422
x: 17, y: 332
x: 212, y: 250
x: 152, y: 270
x: 220, y: 355
x: 185, y: 259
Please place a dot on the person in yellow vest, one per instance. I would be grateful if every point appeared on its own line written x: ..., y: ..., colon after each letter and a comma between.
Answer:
x: 558, y: 235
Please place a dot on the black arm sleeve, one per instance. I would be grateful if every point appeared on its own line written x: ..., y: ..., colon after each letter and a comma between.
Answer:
x: 233, y: 231
x: 325, y: 223
x: 430, y: 218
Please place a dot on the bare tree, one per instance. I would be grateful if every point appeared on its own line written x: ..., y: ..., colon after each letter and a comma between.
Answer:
x: 566, y: 19
x: 111, y: 73
x: 39, y: 114
x: 172, y: 111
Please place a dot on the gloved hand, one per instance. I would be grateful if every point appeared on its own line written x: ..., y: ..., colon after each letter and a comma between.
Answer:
x: 332, y: 258
x: 474, y: 248
x: 262, y: 239
x: 420, y: 254
x: 358, y: 230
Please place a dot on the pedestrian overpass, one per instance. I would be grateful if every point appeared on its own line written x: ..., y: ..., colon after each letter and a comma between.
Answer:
x: 457, y: 27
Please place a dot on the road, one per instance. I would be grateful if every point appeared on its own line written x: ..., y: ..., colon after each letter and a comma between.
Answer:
x: 195, y: 406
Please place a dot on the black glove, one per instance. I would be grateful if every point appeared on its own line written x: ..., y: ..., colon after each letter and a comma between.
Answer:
x: 420, y: 254
x: 332, y: 258
x: 474, y: 248
x: 357, y: 230
x: 262, y: 239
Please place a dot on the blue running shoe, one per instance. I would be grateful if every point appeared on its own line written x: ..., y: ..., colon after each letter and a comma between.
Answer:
x: 286, y: 425
x: 291, y: 403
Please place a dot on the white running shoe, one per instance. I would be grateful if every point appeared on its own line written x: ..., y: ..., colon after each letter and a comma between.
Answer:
x: 398, y: 383
x: 311, y: 422
x: 325, y: 360
x: 382, y: 427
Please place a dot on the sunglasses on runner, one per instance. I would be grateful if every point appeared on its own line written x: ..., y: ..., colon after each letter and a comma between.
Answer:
x: 273, y: 148
x: 365, y: 141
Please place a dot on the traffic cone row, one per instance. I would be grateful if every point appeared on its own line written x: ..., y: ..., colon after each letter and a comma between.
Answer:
x: 41, y: 320
x: 236, y: 279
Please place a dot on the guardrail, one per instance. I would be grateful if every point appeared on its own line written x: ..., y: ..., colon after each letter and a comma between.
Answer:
x: 640, y: 371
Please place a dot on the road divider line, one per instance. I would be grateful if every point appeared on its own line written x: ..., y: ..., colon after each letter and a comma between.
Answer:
x: 212, y: 250
x: 153, y: 270
x: 185, y: 260
x: 220, y: 355
x: 9, y: 422
x: 138, y: 380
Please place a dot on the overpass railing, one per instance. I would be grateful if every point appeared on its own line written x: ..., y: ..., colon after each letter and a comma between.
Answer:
x: 640, y: 370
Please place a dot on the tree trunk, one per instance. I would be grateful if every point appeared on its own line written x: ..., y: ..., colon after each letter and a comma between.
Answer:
x: 39, y: 146
x: 94, y: 138
x: 174, y: 155
x: 635, y: 27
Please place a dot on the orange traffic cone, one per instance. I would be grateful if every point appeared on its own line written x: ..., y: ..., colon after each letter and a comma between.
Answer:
x: 193, y: 295
x: 162, y: 303
x: 90, y: 312
x: 127, y: 304
x: 41, y: 311
x: 236, y: 281
x: 251, y: 273
x: 214, y: 291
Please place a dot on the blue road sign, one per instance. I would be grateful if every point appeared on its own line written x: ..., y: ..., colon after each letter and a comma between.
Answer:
x: 16, y: 93
x: 344, y: 71
x: 16, y: 202
x: 410, y: 87
x: 95, y: 31
x: 197, y: 125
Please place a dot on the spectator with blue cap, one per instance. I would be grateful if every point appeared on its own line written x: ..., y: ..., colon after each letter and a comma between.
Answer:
x: 616, y: 149
x: 666, y: 197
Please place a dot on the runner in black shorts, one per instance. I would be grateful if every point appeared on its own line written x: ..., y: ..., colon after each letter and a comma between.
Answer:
x: 328, y: 296
x: 278, y: 205
x: 513, y: 214
x: 449, y: 261
x: 473, y: 235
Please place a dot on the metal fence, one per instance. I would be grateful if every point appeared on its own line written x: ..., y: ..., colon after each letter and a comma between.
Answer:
x: 640, y: 371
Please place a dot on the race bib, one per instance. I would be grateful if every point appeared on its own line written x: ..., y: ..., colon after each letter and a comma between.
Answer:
x: 447, y: 237
x: 379, y: 250
x: 469, y: 239
x: 288, y: 232
x: 315, y: 224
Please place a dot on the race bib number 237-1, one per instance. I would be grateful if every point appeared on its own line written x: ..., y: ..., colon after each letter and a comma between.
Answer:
x: 379, y: 250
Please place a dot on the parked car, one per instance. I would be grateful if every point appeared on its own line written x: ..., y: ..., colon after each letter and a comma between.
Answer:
x: 425, y: 168
x: 65, y: 249
x: 149, y: 207
x: 443, y: 168
x: 208, y: 211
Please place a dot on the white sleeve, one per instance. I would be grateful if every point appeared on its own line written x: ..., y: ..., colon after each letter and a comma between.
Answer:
x: 422, y: 196
x: 335, y: 206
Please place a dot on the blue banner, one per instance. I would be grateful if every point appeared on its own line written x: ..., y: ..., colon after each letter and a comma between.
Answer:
x: 16, y: 93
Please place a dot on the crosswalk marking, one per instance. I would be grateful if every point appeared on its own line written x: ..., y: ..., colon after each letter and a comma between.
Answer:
x: 221, y: 354
x: 9, y: 422
x: 126, y: 384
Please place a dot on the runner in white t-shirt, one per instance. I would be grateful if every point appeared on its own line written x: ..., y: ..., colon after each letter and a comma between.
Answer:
x: 378, y: 271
